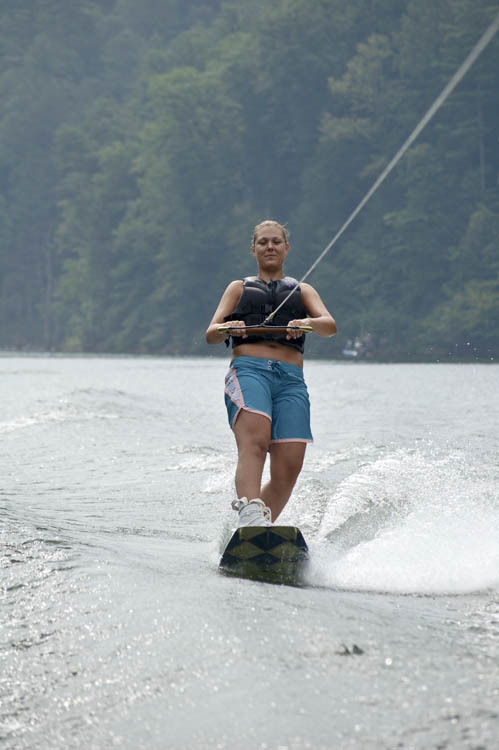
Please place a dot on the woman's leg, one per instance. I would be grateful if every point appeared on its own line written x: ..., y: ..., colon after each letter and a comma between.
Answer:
x: 286, y: 461
x: 252, y: 433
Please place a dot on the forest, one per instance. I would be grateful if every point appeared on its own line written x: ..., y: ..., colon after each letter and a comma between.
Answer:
x: 140, y: 142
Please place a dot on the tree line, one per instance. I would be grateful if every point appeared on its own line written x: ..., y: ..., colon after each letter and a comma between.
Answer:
x: 141, y: 142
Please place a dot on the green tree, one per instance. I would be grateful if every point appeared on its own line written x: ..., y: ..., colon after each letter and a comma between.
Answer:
x: 46, y: 49
x: 189, y: 181
x: 97, y: 183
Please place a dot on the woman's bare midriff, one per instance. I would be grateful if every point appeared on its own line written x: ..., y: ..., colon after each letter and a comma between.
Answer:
x: 270, y: 350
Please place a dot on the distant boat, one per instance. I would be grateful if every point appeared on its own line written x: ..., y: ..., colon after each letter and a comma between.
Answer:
x: 350, y: 353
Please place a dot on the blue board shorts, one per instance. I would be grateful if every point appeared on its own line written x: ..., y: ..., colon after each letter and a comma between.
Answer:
x: 274, y: 389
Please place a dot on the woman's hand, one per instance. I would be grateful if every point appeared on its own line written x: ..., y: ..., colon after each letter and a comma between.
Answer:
x: 295, y: 324
x: 225, y: 328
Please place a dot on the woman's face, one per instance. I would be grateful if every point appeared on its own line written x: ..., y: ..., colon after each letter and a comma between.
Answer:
x: 270, y: 247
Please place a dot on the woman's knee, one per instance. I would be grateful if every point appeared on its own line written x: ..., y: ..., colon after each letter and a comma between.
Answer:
x: 255, y: 447
x: 252, y: 433
x: 286, y: 464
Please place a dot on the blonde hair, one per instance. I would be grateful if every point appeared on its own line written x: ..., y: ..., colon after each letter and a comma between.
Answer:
x: 270, y: 222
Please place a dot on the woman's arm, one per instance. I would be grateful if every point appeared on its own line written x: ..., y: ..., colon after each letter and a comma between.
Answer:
x: 320, y: 319
x: 227, y: 304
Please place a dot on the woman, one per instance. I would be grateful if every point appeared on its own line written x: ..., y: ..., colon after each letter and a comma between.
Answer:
x: 265, y: 393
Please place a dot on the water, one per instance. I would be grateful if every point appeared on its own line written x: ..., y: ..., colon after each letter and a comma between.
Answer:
x: 116, y: 629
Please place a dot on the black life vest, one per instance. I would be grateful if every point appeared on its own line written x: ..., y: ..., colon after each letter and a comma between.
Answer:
x: 259, y: 299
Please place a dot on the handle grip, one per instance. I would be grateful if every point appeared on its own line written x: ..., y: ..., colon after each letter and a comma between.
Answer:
x: 266, y: 329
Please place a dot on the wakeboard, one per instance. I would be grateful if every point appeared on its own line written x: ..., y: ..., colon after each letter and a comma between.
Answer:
x: 275, y: 554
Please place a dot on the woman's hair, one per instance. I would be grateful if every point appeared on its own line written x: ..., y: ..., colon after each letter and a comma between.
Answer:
x: 270, y: 222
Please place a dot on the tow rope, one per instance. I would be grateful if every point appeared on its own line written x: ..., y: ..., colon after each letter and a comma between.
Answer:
x: 477, y: 50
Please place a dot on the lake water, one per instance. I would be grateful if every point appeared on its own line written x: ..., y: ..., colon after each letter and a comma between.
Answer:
x: 116, y: 629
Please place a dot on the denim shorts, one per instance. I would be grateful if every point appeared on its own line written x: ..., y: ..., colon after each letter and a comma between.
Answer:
x: 274, y: 389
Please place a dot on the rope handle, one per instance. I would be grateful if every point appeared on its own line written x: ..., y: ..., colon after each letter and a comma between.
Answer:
x: 266, y: 329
